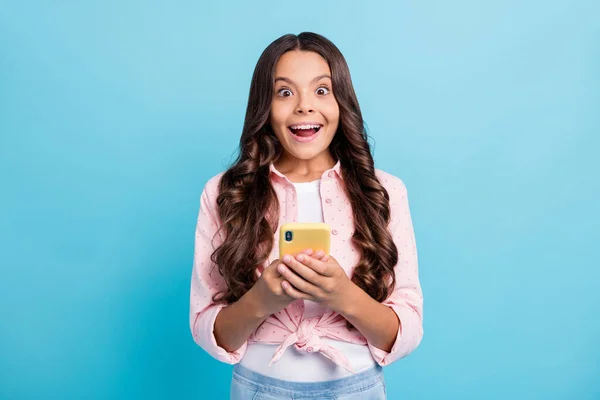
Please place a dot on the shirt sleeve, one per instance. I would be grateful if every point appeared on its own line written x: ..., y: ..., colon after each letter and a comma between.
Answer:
x: 206, y: 281
x: 407, y: 298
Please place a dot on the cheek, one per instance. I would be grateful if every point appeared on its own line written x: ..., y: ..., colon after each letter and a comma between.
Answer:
x: 280, y: 114
x: 277, y: 120
x: 275, y: 116
x: 331, y: 111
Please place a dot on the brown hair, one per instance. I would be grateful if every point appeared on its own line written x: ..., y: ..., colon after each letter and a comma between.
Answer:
x: 247, y: 203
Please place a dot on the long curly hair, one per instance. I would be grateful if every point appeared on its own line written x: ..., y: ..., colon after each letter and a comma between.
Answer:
x: 247, y: 203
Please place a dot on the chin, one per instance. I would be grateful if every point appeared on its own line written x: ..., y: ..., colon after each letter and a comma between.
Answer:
x: 306, y: 155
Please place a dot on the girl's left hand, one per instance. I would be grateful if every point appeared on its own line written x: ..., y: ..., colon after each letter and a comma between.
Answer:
x: 317, y: 277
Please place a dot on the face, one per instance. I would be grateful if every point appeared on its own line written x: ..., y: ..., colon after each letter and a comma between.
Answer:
x: 304, y: 111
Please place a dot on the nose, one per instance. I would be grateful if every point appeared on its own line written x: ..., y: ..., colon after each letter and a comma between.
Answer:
x: 304, y: 105
x: 305, y: 110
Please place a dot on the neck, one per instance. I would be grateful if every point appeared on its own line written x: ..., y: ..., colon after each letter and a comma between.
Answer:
x: 298, y: 170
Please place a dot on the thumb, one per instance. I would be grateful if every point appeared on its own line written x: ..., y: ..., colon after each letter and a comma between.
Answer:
x: 273, y: 266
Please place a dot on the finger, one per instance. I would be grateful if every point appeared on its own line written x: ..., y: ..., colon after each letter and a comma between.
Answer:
x: 307, y: 251
x: 297, y: 280
x: 301, y: 269
x: 295, y: 293
x: 318, y: 266
x: 319, y: 255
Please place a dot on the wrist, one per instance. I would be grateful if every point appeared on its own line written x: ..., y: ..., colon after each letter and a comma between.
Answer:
x: 251, y: 303
x: 350, y: 300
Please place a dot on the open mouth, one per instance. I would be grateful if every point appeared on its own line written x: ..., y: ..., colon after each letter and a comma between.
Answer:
x: 305, y: 131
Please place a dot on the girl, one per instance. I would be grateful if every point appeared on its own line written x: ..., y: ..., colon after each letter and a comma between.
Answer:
x: 304, y: 157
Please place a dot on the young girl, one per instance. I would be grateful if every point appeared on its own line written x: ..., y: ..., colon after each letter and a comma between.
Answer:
x: 305, y: 325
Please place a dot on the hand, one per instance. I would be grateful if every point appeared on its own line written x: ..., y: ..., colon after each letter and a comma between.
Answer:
x: 317, y: 277
x: 269, y: 292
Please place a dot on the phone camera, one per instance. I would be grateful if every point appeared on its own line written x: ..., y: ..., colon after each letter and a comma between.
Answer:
x: 288, y: 236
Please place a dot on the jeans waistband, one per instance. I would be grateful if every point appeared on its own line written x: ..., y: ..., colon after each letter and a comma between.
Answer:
x: 358, y: 382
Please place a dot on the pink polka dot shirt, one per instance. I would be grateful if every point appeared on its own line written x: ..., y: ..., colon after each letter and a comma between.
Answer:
x: 288, y: 327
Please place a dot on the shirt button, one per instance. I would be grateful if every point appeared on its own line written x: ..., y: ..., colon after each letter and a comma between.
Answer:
x: 334, y: 232
x: 328, y: 201
x: 330, y: 174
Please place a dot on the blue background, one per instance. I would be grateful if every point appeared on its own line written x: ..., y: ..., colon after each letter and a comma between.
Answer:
x: 114, y: 114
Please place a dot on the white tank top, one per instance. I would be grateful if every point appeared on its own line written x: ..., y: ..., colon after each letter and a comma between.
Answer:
x: 305, y: 367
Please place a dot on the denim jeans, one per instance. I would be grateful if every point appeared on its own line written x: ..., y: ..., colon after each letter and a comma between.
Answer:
x: 249, y: 385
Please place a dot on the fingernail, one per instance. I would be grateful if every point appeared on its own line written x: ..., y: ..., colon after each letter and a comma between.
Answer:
x: 281, y: 268
x: 287, y: 258
x: 300, y: 257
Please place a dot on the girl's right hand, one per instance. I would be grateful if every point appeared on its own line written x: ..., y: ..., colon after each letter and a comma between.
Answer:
x: 268, y: 291
x: 271, y: 296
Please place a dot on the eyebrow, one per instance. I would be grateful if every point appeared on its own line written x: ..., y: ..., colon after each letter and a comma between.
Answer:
x: 288, y: 80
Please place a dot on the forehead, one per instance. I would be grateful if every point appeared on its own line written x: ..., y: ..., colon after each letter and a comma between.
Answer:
x: 301, y: 66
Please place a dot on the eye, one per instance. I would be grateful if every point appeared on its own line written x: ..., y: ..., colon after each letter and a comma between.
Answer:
x: 281, y: 92
x: 323, y: 90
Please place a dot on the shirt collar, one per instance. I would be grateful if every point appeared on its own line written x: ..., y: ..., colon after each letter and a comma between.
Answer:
x: 335, y: 169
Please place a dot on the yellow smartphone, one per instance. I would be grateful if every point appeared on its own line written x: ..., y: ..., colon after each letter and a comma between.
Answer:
x: 298, y: 236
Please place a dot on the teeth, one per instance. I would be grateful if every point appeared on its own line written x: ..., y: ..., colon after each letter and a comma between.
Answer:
x: 305, y: 126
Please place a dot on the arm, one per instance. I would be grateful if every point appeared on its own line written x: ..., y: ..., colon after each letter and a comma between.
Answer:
x: 378, y: 323
x: 393, y: 328
x: 232, y: 324
x: 235, y: 323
